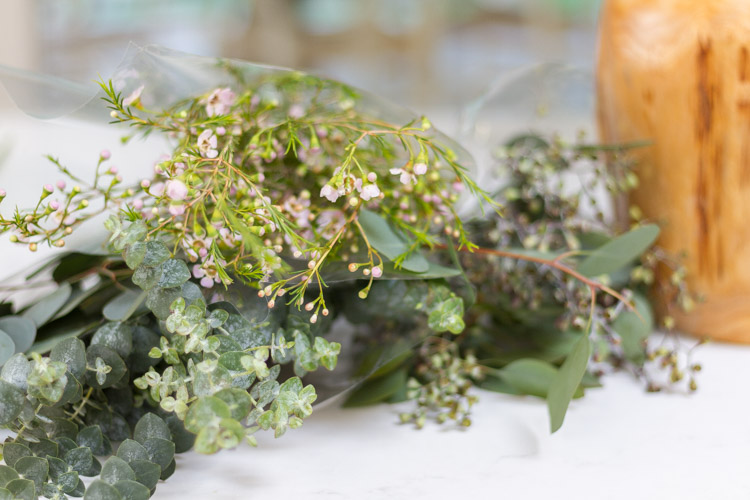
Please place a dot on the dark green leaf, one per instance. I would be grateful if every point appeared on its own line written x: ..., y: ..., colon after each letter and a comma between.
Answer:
x: 22, y: 489
x: 166, y: 473
x: 564, y: 386
x: 80, y: 459
x: 21, y: 330
x: 160, y: 451
x: 68, y: 482
x: 16, y: 370
x: 46, y: 308
x: 59, y: 330
x: 57, y: 467
x: 72, y: 352
x: 33, y: 468
x: 131, y: 490
x: 151, y: 426
x: 111, y: 358
x: 116, y: 469
x: 618, y: 252
x: 5, y: 494
x: 44, y: 448
x: 391, y: 245
x: 182, y: 438
x: 11, y: 402
x: 93, y: 438
x: 99, y: 490
x: 7, y: 474
x: 130, y: 451
x: 147, y: 473
x: 74, y: 264
x: 115, y: 335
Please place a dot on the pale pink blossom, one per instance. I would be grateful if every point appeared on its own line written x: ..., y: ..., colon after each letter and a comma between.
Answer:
x: 372, y: 177
x: 219, y: 101
x: 2, y: 193
x: 329, y: 192
x: 296, y: 111
x: 133, y: 97
x: 176, y: 190
x: 54, y: 204
x: 406, y: 177
x: 157, y: 189
x: 377, y: 272
x: 420, y: 168
x: 105, y: 154
x: 370, y: 191
x: 60, y: 184
x: 176, y: 209
x: 207, y: 144
x: 138, y: 204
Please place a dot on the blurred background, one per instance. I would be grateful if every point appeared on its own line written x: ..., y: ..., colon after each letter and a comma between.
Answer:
x: 420, y: 53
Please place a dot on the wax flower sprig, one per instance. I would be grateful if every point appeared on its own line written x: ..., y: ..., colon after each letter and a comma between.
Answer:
x: 257, y: 182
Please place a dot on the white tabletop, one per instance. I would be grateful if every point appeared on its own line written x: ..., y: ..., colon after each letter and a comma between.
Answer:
x: 618, y: 442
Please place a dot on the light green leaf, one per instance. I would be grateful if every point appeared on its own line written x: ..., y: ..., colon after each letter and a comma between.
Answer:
x: 377, y: 390
x: 7, y: 347
x: 385, y: 240
x: 564, y: 386
x: 529, y: 376
x: 238, y: 401
x: 634, y: 330
x: 7, y: 474
x: 205, y: 412
x: 134, y: 254
x: 124, y: 305
x: 157, y: 253
x: 619, y: 251
x: 174, y: 272
x: 21, y: 330
x: 46, y: 308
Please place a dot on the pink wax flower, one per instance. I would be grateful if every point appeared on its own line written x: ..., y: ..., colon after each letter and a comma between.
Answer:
x: 219, y: 102
x: 105, y: 154
x: 60, y: 184
x: 176, y: 190
x: 133, y: 97
x: 207, y: 144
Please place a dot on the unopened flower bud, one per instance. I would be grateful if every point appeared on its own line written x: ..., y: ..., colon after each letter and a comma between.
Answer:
x: 352, y: 267
x: 32, y: 247
x: 113, y: 114
x: 60, y: 243
x: 309, y: 306
x: 325, y: 312
x: 145, y: 183
x: 105, y: 154
x: 377, y: 272
x: 314, y: 318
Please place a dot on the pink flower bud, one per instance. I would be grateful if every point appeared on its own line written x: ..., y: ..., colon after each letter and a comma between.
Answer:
x: 145, y: 183
x: 2, y: 193
x: 113, y: 170
x: 372, y: 177
x: 60, y: 184
x: 105, y: 154
x: 176, y: 190
x: 377, y: 272
x: 49, y: 188
x: 138, y: 204
x: 54, y: 204
x: 420, y: 168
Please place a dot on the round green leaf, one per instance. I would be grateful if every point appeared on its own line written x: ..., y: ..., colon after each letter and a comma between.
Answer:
x: 205, y: 412
x: 174, y: 272
x: 116, y: 469
x: 115, y: 335
x: 22, y: 489
x: 93, y: 438
x: 72, y: 352
x: 16, y: 370
x: 5, y: 494
x: 156, y: 253
x: 12, y: 452
x: 111, y: 358
x: 11, y: 402
x: 130, y: 451
x: 99, y: 490
x: 147, y: 473
x: 239, y: 402
x: 21, y: 330
x: 80, y: 459
x: 131, y: 490
x: 34, y: 468
x: 7, y: 474
x: 160, y: 451
x: 151, y: 426
x: 7, y: 347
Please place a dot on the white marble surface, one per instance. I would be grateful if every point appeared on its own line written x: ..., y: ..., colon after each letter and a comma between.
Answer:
x: 617, y: 443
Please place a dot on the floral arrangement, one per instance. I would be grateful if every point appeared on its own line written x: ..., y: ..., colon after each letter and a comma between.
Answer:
x: 287, y: 213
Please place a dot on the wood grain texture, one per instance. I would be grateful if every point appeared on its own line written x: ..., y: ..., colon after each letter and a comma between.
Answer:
x: 677, y: 73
